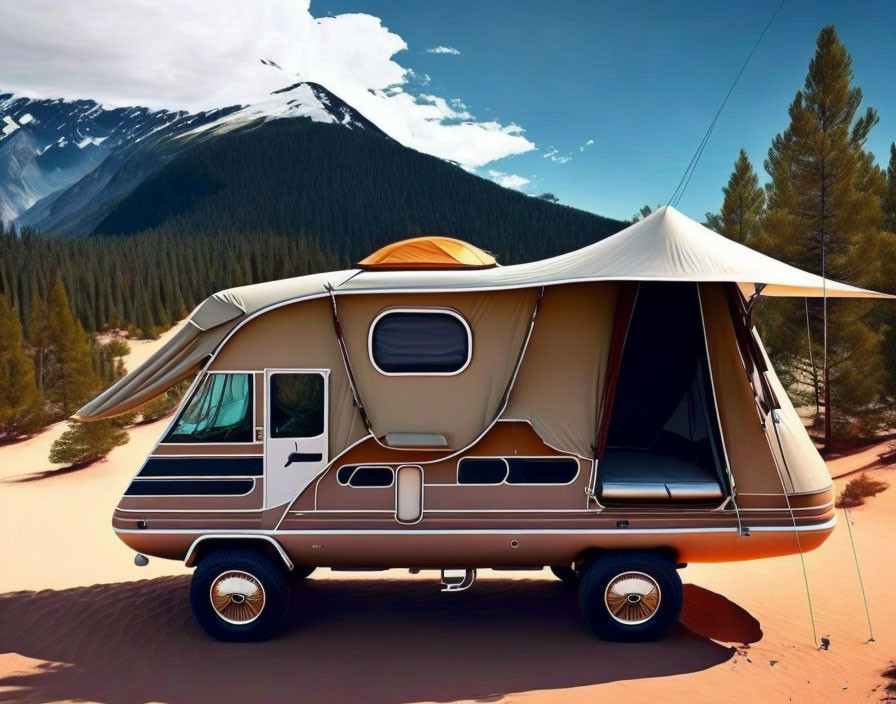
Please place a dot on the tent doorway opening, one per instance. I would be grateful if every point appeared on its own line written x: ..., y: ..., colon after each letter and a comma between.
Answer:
x: 663, y: 441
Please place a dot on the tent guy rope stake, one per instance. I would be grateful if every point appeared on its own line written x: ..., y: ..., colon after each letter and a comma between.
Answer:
x: 859, y: 574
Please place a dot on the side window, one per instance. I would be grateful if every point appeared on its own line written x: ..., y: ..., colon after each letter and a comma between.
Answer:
x: 368, y: 476
x: 221, y: 410
x: 422, y: 341
x: 542, y: 470
x: 481, y: 470
x: 297, y: 405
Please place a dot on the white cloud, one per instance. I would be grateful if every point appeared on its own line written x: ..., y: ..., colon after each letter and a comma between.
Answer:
x: 507, y: 180
x: 209, y: 53
x: 555, y: 156
x: 443, y: 50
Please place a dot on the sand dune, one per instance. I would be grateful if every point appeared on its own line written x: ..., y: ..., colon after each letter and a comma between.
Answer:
x: 78, y: 621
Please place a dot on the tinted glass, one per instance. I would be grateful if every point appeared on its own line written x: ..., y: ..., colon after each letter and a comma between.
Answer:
x: 219, y: 411
x: 542, y: 470
x: 345, y: 473
x: 371, y: 476
x: 297, y: 405
x: 419, y: 343
x: 481, y: 471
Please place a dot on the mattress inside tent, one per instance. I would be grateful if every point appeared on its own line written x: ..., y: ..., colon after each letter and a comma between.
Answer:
x: 630, y: 475
x: 663, y: 442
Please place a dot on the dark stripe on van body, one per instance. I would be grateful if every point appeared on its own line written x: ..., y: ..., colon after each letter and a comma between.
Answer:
x: 190, y: 487
x: 202, y: 467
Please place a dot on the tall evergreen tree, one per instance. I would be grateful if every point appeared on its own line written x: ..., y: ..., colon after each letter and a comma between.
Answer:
x: 38, y: 337
x: 889, y: 204
x: 825, y: 216
x: 20, y: 402
x: 69, y: 376
x: 744, y: 200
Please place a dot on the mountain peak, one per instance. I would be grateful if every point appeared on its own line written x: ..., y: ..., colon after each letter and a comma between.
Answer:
x: 302, y: 99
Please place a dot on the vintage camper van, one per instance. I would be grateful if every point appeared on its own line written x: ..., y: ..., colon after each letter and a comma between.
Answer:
x: 609, y: 412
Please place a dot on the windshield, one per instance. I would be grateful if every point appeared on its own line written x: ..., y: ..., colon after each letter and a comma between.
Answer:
x: 219, y: 411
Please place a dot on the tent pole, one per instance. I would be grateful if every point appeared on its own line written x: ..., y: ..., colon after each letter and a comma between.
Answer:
x: 356, y: 397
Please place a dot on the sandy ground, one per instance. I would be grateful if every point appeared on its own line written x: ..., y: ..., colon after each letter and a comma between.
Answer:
x: 80, y: 622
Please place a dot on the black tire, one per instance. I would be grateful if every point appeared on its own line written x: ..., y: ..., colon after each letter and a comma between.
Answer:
x: 299, y: 574
x: 647, y: 601
x: 566, y: 574
x: 261, y: 585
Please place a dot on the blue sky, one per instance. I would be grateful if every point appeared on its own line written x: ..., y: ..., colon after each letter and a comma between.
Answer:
x: 640, y: 79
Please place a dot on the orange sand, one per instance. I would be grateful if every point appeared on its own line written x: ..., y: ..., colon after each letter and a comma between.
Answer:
x: 78, y: 621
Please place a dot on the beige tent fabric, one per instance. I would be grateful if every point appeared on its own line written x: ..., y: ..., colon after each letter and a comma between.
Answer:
x: 298, y: 336
x: 750, y: 452
x: 805, y: 470
x: 561, y: 381
x: 461, y: 406
x: 664, y: 246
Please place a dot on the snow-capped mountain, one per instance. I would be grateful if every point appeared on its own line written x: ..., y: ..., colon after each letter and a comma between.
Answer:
x: 59, y: 156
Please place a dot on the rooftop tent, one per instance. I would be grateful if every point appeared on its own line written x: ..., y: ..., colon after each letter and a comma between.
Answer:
x: 430, y: 252
x: 665, y: 246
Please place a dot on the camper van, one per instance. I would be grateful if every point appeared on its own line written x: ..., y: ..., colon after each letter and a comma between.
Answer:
x: 609, y: 413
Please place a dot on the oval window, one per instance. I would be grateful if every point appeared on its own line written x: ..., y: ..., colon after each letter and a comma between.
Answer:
x: 425, y: 342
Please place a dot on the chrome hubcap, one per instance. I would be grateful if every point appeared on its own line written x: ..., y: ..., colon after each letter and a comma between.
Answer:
x: 237, y: 597
x: 632, y: 598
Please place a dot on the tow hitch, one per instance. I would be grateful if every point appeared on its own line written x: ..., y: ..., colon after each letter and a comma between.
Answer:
x: 457, y: 580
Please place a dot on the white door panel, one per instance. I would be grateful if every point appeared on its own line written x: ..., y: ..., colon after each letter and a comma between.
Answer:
x: 295, y: 431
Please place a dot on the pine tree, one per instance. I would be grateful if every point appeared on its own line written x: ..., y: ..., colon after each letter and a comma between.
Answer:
x: 38, y: 337
x: 825, y: 216
x: 743, y: 203
x: 20, y: 402
x: 69, y: 376
x: 889, y: 204
x: 84, y: 443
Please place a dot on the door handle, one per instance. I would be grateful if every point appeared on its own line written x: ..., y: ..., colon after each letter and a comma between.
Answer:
x: 303, y: 457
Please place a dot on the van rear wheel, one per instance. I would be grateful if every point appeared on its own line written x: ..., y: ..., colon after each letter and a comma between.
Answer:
x: 634, y: 596
x: 239, y: 595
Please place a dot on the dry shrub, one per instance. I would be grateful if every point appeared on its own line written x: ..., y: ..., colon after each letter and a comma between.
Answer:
x: 858, y: 489
x: 890, y: 674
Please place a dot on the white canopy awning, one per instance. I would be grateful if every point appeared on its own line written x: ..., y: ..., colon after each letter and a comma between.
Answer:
x: 664, y: 246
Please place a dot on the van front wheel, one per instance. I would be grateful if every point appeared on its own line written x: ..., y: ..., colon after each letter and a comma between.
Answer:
x: 634, y: 596
x: 239, y: 595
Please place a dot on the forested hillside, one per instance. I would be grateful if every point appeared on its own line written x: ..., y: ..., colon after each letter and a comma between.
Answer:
x: 351, y: 190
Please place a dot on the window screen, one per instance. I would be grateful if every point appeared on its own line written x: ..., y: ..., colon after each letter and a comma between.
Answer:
x: 419, y: 342
x: 297, y: 405
x: 542, y: 470
x: 219, y: 411
x: 481, y: 470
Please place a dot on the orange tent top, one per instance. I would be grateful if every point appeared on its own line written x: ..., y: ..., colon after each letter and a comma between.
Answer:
x: 431, y: 252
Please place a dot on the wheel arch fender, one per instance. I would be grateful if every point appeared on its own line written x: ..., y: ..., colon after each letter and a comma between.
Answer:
x: 205, y: 544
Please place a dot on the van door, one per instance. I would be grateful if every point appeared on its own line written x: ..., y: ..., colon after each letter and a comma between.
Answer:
x: 295, y: 431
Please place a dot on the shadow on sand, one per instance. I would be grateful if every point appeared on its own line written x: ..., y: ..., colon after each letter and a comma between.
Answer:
x: 347, y: 641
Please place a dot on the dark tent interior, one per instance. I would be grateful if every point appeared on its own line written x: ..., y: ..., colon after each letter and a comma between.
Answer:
x: 663, y: 442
